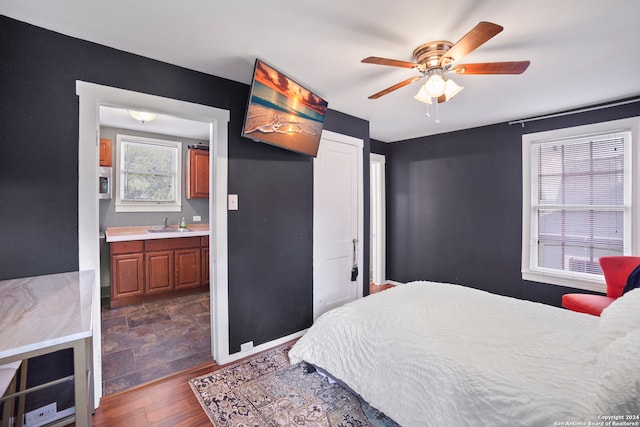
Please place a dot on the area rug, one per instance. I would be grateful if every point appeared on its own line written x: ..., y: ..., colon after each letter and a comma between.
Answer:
x: 266, y: 390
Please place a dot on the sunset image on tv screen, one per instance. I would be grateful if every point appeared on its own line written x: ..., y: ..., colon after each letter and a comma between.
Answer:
x: 283, y: 113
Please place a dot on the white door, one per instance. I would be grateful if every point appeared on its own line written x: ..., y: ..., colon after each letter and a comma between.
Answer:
x: 337, y: 221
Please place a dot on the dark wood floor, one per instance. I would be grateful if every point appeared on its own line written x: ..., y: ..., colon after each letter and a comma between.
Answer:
x: 165, y: 402
x: 373, y: 288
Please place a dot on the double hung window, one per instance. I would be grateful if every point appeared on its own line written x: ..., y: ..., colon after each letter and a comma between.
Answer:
x: 149, y: 172
x: 578, y: 202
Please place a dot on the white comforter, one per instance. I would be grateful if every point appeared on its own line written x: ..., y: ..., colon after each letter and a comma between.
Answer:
x: 433, y: 354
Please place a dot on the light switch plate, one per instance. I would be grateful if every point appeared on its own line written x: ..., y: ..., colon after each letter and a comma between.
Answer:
x: 233, y: 202
x: 197, y: 218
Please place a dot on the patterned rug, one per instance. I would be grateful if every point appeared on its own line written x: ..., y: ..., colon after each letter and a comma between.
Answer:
x: 266, y: 391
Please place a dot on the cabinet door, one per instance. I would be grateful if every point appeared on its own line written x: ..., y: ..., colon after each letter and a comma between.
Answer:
x: 187, y: 268
x: 205, y: 266
x: 159, y: 268
x: 105, y: 152
x: 198, y: 174
x: 127, y: 275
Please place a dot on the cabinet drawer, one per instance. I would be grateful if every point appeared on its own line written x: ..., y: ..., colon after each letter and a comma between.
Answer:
x: 204, y: 241
x: 127, y: 247
x: 177, y: 243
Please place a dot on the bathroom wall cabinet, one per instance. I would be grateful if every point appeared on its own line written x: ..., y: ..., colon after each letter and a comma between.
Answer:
x: 197, y: 174
x: 105, y: 152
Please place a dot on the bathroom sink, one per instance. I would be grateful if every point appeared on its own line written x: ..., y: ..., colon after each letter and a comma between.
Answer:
x: 168, y: 230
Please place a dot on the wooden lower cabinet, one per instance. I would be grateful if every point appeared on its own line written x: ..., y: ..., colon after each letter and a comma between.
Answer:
x: 205, y: 266
x: 204, y: 248
x: 143, y: 270
x: 188, y: 268
x: 127, y: 274
x: 159, y: 267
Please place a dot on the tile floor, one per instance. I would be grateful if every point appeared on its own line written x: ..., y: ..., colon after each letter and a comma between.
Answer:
x: 144, y: 342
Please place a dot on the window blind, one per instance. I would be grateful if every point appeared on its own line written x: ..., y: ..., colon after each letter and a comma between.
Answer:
x: 581, y: 200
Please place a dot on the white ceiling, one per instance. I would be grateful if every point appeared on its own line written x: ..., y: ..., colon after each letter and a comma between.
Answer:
x: 582, y: 52
x: 163, y: 124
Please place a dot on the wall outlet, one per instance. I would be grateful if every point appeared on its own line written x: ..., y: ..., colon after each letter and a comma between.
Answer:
x: 197, y: 218
x: 246, y: 346
x: 40, y: 415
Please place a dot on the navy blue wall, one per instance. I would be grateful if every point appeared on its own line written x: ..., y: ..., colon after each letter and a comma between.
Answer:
x: 270, y: 237
x: 454, y: 210
x: 380, y: 147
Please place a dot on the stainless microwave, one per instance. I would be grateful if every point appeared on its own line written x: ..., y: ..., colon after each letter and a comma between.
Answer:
x: 105, y: 182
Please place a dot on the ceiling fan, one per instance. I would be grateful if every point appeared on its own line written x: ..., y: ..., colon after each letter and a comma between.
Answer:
x: 435, y: 59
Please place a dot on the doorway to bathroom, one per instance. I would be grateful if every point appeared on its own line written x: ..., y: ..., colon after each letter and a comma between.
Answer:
x: 91, y: 98
x: 150, y: 156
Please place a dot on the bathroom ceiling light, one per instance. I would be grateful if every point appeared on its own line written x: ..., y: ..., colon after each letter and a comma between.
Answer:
x: 143, y: 116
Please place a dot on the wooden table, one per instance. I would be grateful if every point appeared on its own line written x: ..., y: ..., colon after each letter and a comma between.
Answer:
x: 44, y: 314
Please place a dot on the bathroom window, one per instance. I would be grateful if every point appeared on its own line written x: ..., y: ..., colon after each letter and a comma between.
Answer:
x: 149, y: 172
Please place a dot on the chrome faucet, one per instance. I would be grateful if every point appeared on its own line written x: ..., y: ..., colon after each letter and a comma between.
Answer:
x: 165, y: 223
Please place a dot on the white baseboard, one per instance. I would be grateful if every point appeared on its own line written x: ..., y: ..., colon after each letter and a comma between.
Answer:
x: 257, y: 349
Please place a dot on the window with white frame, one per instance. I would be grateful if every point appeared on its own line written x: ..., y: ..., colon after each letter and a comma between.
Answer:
x: 577, y: 202
x: 149, y: 172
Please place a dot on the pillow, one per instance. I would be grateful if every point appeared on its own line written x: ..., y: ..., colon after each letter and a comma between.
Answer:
x: 633, y: 281
x: 618, y: 389
x: 619, y: 318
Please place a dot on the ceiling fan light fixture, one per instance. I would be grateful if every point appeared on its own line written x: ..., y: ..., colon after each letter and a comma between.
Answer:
x: 451, y: 89
x: 435, y: 85
x: 434, y: 58
x: 143, y: 116
x: 422, y: 96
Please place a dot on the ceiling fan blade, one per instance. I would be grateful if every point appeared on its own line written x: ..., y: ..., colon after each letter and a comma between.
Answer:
x: 478, y: 35
x: 386, y: 61
x: 514, y: 67
x: 395, y: 86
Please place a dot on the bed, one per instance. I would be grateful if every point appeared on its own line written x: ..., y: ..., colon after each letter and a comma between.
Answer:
x: 427, y: 353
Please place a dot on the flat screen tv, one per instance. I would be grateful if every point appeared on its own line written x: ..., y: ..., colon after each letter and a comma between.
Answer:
x: 283, y: 113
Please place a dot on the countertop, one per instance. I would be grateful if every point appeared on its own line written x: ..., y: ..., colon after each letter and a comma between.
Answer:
x: 44, y: 311
x: 124, y: 234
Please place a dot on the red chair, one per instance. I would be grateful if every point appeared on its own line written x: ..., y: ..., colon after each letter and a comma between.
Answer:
x: 616, y: 270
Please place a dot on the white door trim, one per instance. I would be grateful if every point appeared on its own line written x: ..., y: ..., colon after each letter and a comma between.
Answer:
x: 359, y: 144
x: 91, y: 97
x: 378, y: 161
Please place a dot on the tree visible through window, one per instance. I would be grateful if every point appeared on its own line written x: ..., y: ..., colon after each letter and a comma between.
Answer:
x: 149, y: 171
